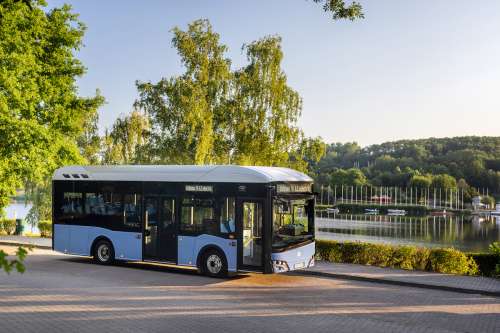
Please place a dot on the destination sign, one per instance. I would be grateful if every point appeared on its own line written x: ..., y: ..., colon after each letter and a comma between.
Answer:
x: 199, y: 188
x: 293, y: 188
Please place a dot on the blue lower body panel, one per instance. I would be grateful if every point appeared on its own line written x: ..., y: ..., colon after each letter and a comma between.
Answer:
x: 75, y: 239
x: 189, y: 247
x: 297, y: 258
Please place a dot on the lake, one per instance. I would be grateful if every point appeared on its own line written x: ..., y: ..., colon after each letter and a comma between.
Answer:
x: 467, y: 233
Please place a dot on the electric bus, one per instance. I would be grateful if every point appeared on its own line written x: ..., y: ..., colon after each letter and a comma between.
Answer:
x: 218, y: 219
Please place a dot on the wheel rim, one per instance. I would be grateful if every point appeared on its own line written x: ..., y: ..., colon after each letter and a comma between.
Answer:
x: 103, y: 252
x: 214, y: 264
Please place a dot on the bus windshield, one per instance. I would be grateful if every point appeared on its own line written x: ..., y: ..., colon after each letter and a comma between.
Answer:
x: 293, y: 222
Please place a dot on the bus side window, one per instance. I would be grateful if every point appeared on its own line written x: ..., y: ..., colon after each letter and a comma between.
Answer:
x: 132, y: 208
x: 197, y: 216
x: 227, y: 215
x: 72, y: 205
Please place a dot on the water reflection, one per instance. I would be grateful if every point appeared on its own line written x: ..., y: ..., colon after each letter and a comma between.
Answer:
x: 465, y: 233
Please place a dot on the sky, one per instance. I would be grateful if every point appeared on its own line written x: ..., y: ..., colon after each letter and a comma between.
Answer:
x: 410, y: 69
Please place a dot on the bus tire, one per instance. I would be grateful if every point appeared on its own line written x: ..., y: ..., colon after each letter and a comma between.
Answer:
x: 213, y: 263
x: 104, y: 253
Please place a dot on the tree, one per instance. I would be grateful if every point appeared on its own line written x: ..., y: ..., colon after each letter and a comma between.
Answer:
x: 421, y: 181
x: 472, y: 158
x: 310, y: 152
x: 444, y: 181
x: 265, y: 108
x: 41, y: 114
x: 189, y: 112
x: 127, y: 143
x: 350, y: 177
x: 340, y: 10
x: 211, y: 114
x: 90, y: 142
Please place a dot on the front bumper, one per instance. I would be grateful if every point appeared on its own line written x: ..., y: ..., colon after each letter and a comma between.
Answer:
x: 298, y: 258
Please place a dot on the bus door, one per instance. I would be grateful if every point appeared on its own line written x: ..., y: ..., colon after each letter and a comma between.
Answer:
x: 160, y: 229
x: 250, y: 214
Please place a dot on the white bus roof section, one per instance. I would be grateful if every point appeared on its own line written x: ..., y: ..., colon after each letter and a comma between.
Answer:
x: 182, y: 173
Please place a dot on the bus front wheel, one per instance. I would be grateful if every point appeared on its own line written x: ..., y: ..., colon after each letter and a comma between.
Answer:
x: 214, y: 263
x: 104, y: 253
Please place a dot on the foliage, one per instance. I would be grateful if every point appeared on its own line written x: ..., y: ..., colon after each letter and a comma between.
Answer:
x: 405, y: 257
x: 421, y: 181
x: 89, y: 142
x: 213, y: 114
x: 340, y: 10
x: 472, y: 160
x: 18, y: 263
x: 451, y: 261
x: 266, y: 108
x: 495, y: 250
x: 41, y: 114
x: 486, y: 262
x: 40, y: 196
x: 45, y: 228
x: 350, y: 177
x: 188, y: 112
x: 444, y: 181
x: 8, y: 226
x: 127, y: 143
x: 488, y: 200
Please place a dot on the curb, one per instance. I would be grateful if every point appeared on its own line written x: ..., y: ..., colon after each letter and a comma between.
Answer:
x: 401, y: 283
x: 14, y: 243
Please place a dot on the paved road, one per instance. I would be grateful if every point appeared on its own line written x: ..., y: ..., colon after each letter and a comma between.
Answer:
x: 69, y: 294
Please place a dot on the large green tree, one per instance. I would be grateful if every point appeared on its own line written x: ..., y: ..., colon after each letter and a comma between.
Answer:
x: 265, y: 109
x: 189, y: 112
x: 213, y: 114
x: 41, y: 113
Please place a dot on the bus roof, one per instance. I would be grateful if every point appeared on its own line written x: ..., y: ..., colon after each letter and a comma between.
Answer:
x: 182, y: 173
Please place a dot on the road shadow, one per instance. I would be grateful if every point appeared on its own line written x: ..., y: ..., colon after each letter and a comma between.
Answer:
x: 152, y: 267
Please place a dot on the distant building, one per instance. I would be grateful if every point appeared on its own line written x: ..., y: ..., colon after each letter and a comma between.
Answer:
x: 477, y: 204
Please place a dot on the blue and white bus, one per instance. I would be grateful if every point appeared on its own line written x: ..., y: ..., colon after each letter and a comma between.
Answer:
x: 219, y: 219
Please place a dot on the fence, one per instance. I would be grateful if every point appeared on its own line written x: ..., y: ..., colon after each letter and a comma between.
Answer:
x: 451, y: 198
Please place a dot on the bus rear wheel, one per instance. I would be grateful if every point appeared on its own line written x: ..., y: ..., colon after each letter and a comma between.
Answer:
x: 104, y: 253
x: 214, y: 263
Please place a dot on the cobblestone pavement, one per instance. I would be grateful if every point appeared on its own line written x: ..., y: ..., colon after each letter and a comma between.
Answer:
x: 70, y: 294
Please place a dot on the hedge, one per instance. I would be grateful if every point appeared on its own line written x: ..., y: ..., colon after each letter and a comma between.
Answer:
x: 486, y: 262
x: 45, y: 228
x: 8, y: 225
x: 406, y: 257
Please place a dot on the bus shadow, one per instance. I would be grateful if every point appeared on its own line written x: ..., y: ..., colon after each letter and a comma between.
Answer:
x: 153, y: 267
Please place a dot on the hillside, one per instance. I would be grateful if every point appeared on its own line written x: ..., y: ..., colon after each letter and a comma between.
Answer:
x: 473, y: 159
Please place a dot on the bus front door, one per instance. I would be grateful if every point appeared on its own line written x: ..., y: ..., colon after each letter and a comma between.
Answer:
x: 250, y: 247
x: 160, y: 229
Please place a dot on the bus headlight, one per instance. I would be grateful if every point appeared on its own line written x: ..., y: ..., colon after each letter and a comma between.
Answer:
x: 280, y: 266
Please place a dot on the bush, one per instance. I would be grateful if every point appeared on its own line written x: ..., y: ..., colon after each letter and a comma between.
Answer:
x: 45, y: 228
x: 486, y: 263
x: 405, y: 257
x: 8, y: 225
x: 451, y: 261
x: 422, y: 259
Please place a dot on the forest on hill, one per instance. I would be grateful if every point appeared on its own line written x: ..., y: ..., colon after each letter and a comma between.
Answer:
x: 471, y: 161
